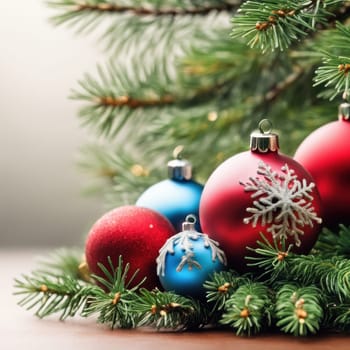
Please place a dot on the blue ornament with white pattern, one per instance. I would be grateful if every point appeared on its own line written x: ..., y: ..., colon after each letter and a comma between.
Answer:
x: 175, y: 197
x: 188, y: 259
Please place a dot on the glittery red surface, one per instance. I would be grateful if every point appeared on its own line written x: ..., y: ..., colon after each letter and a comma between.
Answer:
x: 224, y: 203
x: 136, y: 233
x: 326, y: 155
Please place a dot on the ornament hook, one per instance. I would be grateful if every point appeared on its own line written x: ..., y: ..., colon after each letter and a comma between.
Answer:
x: 189, y: 224
x: 177, y: 152
x: 346, y: 95
x: 265, y: 126
x: 191, y: 219
x: 178, y: 168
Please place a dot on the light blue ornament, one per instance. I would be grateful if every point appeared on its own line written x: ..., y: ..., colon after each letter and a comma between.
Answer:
x: 175, y: 197
x: 188, y: 259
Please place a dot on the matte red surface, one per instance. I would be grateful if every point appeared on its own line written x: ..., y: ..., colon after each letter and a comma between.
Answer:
x: 224, y: 202
x: 135, y: 233
x: 326, y: 155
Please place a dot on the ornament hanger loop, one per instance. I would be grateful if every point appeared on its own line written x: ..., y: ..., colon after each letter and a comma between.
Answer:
x: 189, y: 223
x: 346, y: 95
x: 265, y: 126
x: 264, y: 140
x: 191, y: 219
x: 177, y: 152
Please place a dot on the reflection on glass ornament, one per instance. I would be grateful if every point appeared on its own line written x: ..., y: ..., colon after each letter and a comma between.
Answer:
x: 175, y: 197
x: 188, y: 259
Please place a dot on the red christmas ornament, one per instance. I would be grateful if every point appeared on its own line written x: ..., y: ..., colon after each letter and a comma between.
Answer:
x: 260, y: 191
x: 325, y: 153
x: 135, y: 233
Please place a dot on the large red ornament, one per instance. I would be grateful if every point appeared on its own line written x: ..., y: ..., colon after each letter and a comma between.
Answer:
x: 260, y: 191
x: 325, y: 153
x: 135, y: 233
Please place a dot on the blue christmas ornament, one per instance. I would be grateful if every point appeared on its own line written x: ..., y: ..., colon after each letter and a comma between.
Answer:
x: 188, y: 259
x: 175, y: 197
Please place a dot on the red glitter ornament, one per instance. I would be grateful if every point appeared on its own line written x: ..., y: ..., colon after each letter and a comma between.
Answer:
x: 325, y: 153
x: 136, y: 233
x: 260, y: 191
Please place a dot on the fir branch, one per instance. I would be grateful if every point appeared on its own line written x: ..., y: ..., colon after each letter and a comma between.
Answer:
x: 50, y: 294
x: 150, y: 9
x: 167, y: 310
x: 97, y: 160
x: 113, y: 302
x: 283, y: 85
x: 116, y: 279
x: 65, y: 294
x: 247, y: 311
x: 65, y: 262
x: 201, y: 317
x: 271, y: 259
x: 276, y: 24
x: 339, y: 316
x: 113, y: 309
x: 134, y: 103
x: 321, y: 298
x: 168, y: 35
x: 117, y: 96
x: 299, y: 309
x: 121, y: 175
x: 332, y: 275
x: 333, y: 73
x: 331, y: 243
x: 57, y: 286
x: 221, y: 286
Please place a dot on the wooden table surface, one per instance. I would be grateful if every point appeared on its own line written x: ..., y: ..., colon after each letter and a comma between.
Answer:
x: 19, y: 329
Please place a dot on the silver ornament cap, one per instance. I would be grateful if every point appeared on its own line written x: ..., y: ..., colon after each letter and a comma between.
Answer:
x: 179, y: 169
x: 344, y: 112
x: 264, y: 140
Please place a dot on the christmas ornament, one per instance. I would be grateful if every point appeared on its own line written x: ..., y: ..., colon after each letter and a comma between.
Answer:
x: 260, y: 191
x: 188, y: 259
x: 175, y: 197
x: 135, y: 233
x: 325, y: 153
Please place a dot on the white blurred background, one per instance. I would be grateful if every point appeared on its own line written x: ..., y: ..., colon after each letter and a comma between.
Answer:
x: 40, y: 184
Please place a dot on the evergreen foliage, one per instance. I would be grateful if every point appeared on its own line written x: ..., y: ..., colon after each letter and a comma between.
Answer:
x: 197, y: 76
x: 53, y: 294
x: 299, y: 309
x: 248, y: 309
x: 201, y: 75
x: 299, y: 294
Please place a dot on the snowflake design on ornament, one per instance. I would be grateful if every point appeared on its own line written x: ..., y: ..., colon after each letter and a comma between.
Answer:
x: 282, y: 201
x: 183, y: 239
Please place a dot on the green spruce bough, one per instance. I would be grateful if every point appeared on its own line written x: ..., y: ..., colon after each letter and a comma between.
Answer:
x: 297, y: 294
x: 201, y: 75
